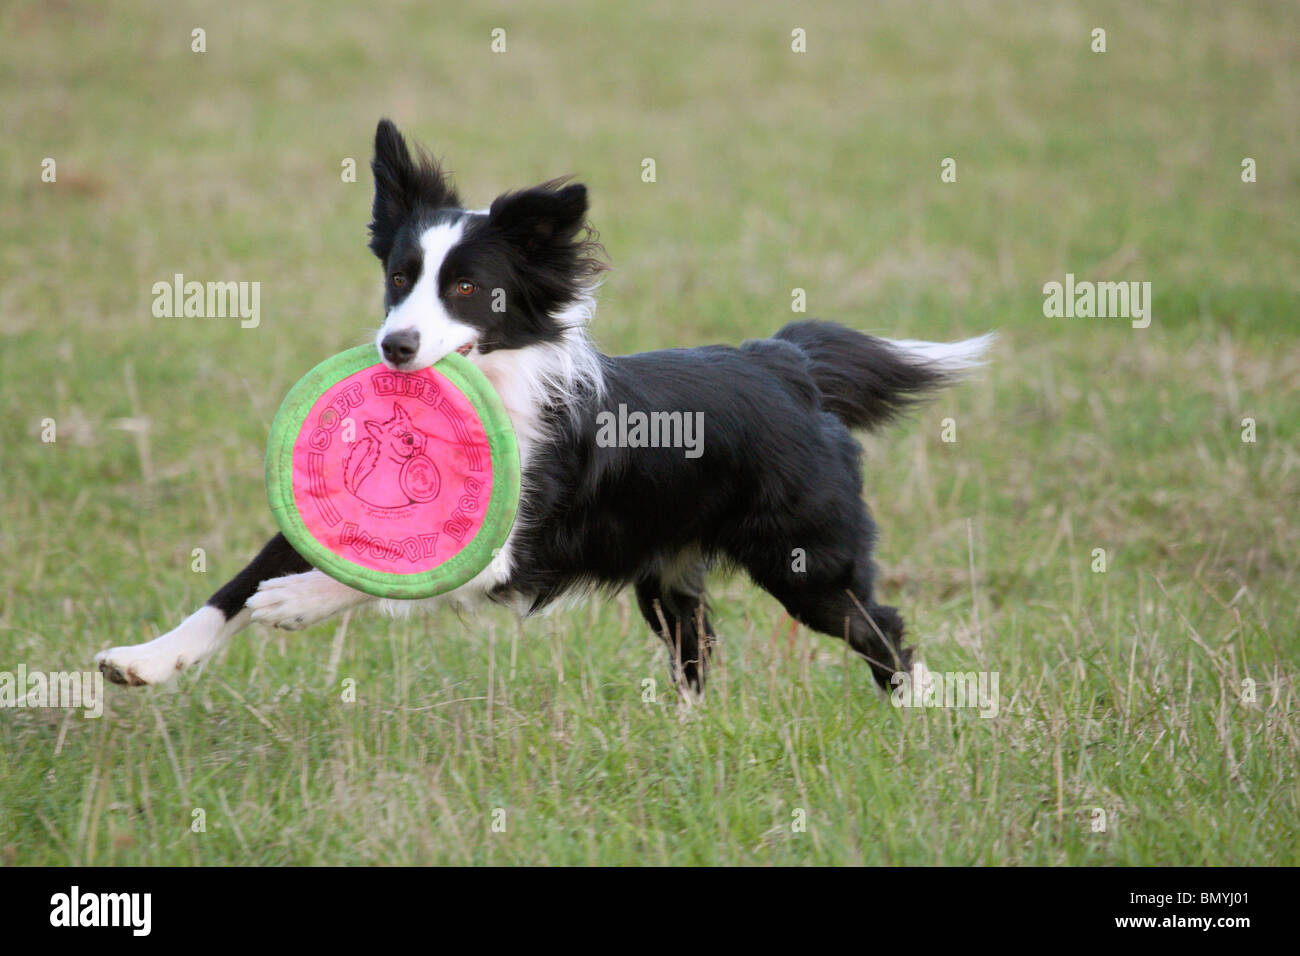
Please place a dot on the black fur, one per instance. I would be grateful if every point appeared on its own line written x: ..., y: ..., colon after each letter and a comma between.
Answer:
x: 780, y: 477
x: 862, y: 379
x: 408, y: 192
x: 776, y: 492
x: 275, y: 560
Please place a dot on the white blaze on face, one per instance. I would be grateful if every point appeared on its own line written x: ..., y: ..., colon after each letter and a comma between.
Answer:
x: 422, y: 310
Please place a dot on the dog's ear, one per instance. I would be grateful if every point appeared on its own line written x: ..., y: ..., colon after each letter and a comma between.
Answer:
x: 375, y: 430
x: 549, y: 214
x: 560, y: 254
x: 399, y: 413
x: 403, y: 184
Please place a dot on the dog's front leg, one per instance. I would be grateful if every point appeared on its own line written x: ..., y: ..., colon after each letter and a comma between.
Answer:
x: 300, y: 600
x: 193, y: 640
x: 288, y: 577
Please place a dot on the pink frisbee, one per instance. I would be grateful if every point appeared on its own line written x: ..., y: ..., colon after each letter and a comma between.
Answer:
x: 402, y: 485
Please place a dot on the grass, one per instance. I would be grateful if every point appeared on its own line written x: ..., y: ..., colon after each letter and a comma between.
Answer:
x: 1121, y: 691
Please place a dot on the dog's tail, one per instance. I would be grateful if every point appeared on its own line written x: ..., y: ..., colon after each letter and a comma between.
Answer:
x: 867, y: 381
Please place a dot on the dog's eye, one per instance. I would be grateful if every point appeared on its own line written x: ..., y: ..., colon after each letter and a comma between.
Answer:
x: 399, y: 280
x: 465, y: 287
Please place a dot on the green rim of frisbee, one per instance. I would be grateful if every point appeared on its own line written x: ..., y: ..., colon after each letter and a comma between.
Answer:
x: 465, y: 564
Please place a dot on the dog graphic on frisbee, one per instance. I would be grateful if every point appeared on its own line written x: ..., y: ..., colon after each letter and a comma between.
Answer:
x: 389, y: 468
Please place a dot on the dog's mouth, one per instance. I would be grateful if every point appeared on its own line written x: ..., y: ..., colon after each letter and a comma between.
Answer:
x: 467, y: 347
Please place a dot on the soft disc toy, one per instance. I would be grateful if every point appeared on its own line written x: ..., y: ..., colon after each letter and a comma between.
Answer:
x: 399, y: 484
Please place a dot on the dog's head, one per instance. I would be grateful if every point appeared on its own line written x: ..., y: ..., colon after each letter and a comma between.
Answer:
x: 472, y: 281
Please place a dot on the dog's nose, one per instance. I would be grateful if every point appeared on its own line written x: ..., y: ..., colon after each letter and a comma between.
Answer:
x: 400, y: 347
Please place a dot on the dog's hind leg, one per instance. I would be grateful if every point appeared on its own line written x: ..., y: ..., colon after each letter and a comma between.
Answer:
x: 203, y: 632
x: 830, y: 589
x: 672, y: 603
x: 843, y: 607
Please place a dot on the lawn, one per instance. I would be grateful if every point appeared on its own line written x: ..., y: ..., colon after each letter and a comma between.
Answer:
x: 1148, y: 711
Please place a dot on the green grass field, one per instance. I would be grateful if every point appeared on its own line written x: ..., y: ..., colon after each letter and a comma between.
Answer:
x: 1121, y: 692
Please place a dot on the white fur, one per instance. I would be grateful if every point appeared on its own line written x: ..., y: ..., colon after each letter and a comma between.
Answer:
x: 528, y: 380
x: 296, y: 601
x: 562, y: 373
x: 949, y: 357
x: 422, y: 309
x: 195, y: 639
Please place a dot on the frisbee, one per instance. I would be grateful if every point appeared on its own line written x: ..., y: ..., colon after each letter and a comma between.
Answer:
x: 399, y: 484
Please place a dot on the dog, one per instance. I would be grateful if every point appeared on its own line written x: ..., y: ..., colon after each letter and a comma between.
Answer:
x: 775, y: 490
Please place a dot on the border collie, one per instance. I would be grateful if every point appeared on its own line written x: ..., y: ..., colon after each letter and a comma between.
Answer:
x: 776, y: 491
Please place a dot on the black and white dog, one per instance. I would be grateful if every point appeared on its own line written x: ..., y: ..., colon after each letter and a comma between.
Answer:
x: 775, y: 487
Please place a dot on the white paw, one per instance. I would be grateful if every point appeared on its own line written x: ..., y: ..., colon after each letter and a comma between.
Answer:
x: 301, y: 600
x: 138, y: 665
x: 161, y: 659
